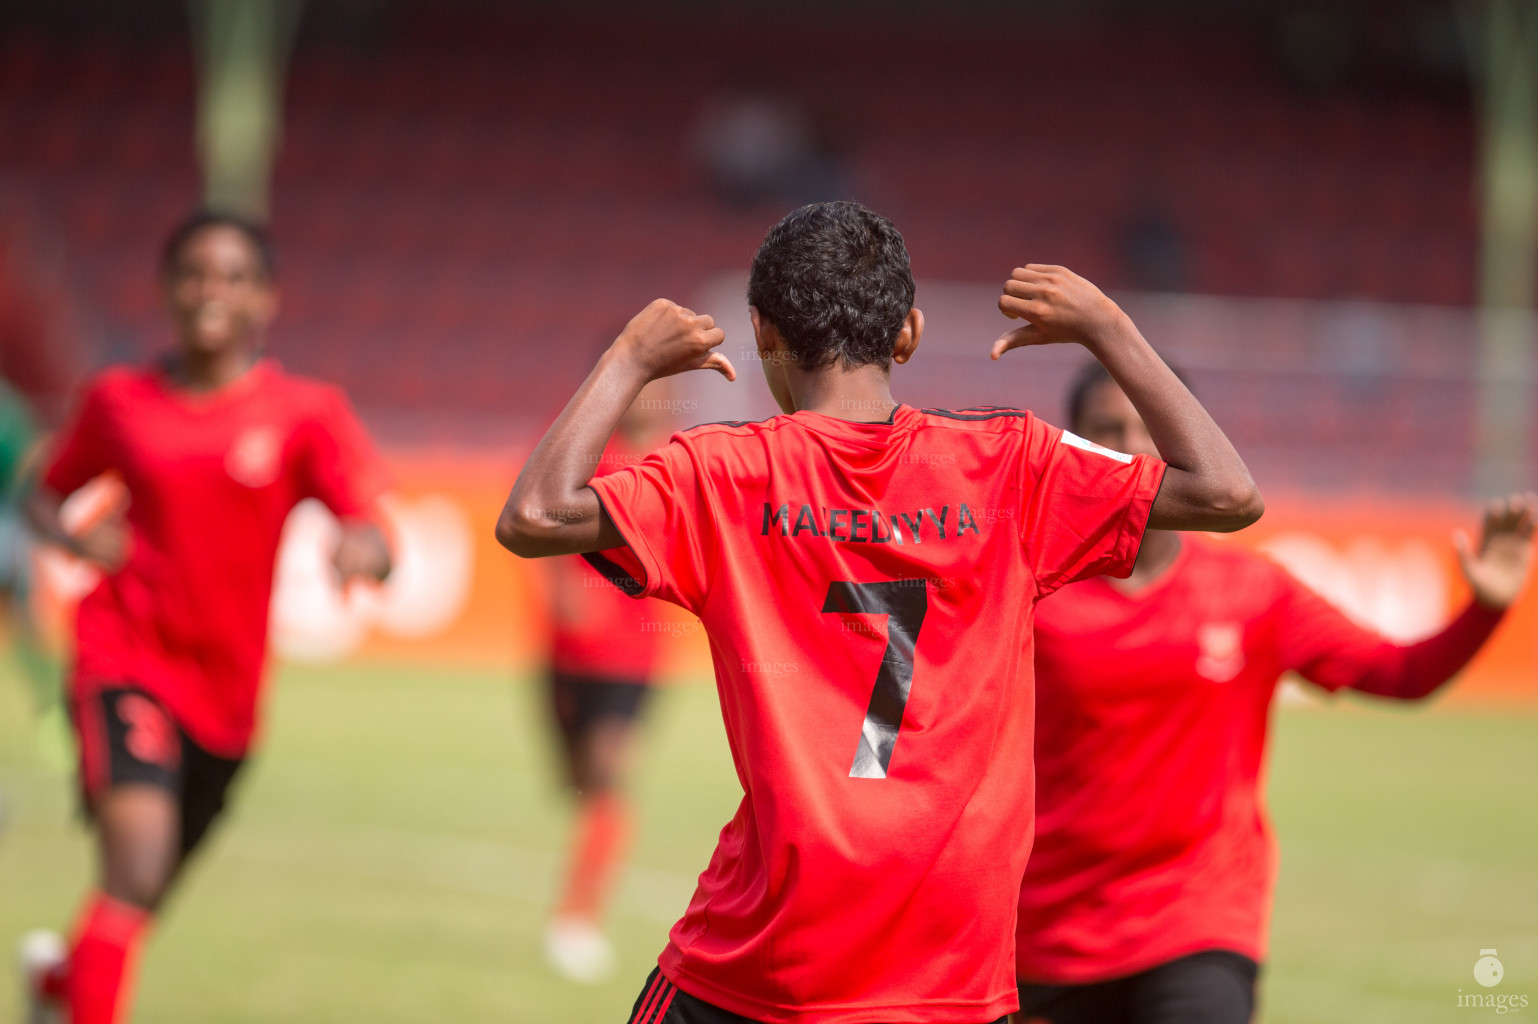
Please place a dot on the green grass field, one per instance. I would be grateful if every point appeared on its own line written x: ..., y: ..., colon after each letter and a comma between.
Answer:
x: 392, y: 852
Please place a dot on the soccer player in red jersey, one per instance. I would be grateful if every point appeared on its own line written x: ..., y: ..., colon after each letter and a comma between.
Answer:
x: 1147, y: 895
x: 213, y: 446
x: 603, y: 652
x: 866, y: 573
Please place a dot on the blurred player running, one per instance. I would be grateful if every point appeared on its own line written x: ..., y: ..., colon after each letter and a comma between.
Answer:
x: 1147, y: 895
x: 213, y: 446
x: 603, y: 653
x: 866, y: 573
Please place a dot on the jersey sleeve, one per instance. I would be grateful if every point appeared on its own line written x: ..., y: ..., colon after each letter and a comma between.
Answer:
x: 82, y: 449
x: 661, y: 509
x: 1086, y: 507
x: 1327, y: 648
x: 340, y: 464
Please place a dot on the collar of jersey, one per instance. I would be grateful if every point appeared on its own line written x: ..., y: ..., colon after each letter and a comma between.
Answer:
x: 237, y: 388
x: 854, y: 430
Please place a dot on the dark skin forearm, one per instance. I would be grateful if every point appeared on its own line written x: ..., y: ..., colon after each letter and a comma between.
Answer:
x: 1207, y: 486
x: 552, y: 510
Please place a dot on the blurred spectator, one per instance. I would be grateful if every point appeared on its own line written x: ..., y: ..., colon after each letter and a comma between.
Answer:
x: 757, y: 149
x: 1153, y: 251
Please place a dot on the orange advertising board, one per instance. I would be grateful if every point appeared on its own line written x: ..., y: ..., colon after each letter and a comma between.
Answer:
x: 457, y: 598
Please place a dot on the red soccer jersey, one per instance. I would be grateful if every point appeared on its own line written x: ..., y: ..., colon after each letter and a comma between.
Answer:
x: 1152, y: 709
x: 211, y: 479
x: 868, y: 589
x: 597, y: 631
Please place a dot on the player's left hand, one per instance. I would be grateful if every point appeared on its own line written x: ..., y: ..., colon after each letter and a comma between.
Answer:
x: 1497, y: 569
x: 361, y: 553
x: 1060, y: 306
x: 666, y: 338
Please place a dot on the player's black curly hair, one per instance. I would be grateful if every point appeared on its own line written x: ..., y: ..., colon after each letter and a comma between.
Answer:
x: 834, y: 279
x: 255, y: 233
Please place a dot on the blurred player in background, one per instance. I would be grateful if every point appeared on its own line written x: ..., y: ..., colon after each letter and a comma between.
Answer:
x: 603, y: 653
x: 213, y: 446
x: 17, y: 435
x: 16, y: 630
x: 865, y: 572
x: 1147, y: 896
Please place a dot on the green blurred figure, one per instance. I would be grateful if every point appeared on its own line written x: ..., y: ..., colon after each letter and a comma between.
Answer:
x: 18, y: 632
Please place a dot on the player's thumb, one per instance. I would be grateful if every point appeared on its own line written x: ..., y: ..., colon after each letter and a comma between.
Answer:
x: 1020, y: 336
x: 722, y: 365
x: 1463, y: 546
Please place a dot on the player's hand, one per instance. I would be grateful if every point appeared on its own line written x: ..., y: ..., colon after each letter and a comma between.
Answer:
x: 1497, y: 569
x: 665, y: 338
x: 361, y: 553
x: 1060, y: 306
x: 107, y: 543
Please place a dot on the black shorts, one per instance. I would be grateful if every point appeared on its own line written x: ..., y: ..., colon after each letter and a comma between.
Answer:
x: 662, y: 1002
x: 580, y: 702
x: 1211, y: 987
x: 126, y: 736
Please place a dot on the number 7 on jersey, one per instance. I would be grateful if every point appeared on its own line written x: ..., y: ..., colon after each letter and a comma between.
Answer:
x: 904, y: 603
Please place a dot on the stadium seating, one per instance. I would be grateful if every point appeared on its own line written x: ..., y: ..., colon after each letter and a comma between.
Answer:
x: 466, y: 208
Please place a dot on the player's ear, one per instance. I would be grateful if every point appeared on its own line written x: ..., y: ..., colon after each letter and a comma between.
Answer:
x: 908, y: 337
x: 761, y: 335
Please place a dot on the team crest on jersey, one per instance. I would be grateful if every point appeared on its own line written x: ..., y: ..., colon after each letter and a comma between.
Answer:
x: 1220, y: 647
x: 254, y: 458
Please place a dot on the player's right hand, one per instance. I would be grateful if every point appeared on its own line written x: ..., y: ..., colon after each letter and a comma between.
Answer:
x: 1060, y: 306
x: 665, y: 338
x: 105, y: 544
x: 1498, y: 568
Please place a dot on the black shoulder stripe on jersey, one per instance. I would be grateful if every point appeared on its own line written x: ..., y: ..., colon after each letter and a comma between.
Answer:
x: 965, y: 414
x: 723, y: 423
x: 610, y: 570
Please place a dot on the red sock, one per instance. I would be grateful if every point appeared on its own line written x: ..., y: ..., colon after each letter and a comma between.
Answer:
x: 602, y: 833
x: 101, y: 962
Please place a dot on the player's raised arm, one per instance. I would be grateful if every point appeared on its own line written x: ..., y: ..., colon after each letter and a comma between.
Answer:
x: 1334, y: 652
x: 1207, y: 486
x: 551, y: 510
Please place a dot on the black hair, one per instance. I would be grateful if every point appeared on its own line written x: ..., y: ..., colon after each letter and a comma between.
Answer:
x: 834, y: 279
x: 254, y: 233
x: 1090, y: 376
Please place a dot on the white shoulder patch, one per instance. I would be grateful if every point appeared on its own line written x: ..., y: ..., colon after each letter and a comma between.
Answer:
x: 1074, y: 440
